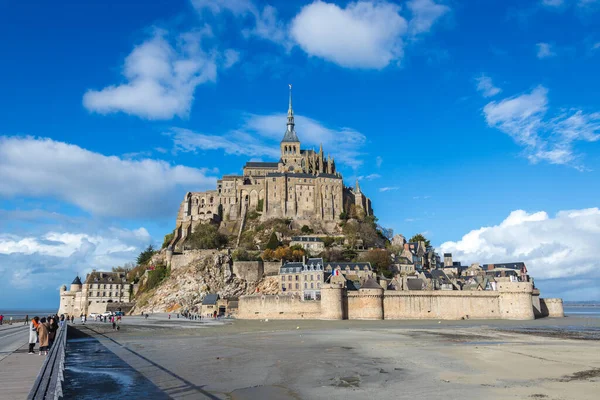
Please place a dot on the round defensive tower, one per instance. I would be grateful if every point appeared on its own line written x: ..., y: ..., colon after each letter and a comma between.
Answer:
x: 369, y: 301
x: 76, y: 285
x: 554, y: 307
x: 515, y: 300
x: 332, y: 301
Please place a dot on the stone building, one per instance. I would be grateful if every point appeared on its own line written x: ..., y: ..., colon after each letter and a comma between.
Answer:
x: 99, y: 289
x: 303, y: 278
x: 303, y: 184
x: 313, y: 244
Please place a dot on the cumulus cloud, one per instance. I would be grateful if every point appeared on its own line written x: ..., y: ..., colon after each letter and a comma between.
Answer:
x: 424, y: 14
x: 102, y: 185
x: 53, y: 258
x: 544, y: 50
x: 486, y: 86
x: 160, y: 79
x: 563, y: 246
x: 266, y: 23
x: 388, y: 188
x: 362, y: 35
x: 369, y: 177
x: 544, y: 138
x: 259, y: 135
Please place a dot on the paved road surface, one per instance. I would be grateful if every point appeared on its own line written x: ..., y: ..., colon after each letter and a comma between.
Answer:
x: 18, y: 369
x: 11, y: 338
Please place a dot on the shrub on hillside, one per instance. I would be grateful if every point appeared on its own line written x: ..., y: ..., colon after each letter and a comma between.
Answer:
x: 206, y: 236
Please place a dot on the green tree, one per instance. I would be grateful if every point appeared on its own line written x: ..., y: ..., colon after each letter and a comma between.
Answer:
x: 307, y: 230
x: 420, y: 238
x: 145, y: 255
x: 379, y: 258
x: 168, y: 238
x: 206, y: 236
x: 273, y: 242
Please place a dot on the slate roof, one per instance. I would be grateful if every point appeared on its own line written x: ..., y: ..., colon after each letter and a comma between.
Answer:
x: 511, y: 265
x: 210, y: 299
x: 414, y: 284
x: 362, y: 266
x: 76, y: 281
x: 290, y: 136
x: 371, y: 284
x: 106, y: 277
x: 252, y: 164
x: 306, y: 239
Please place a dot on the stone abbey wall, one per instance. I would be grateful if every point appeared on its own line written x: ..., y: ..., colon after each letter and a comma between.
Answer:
x: 510, y: 301
x: 251, y: 271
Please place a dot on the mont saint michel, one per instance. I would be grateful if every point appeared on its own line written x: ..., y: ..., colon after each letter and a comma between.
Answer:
x: 300, y: 200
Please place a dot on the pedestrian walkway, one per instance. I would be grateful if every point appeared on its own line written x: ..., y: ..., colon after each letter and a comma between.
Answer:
x: 18, y: 372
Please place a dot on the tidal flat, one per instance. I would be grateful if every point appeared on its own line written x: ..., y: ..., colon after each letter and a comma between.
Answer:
x: 308, y: 359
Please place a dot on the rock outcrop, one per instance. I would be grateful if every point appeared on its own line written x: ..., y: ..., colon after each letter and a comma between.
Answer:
x: 185, y: 287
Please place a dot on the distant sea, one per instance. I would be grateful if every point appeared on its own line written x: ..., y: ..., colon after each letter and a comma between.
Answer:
x: 582, y: 310
x: 20, y: 314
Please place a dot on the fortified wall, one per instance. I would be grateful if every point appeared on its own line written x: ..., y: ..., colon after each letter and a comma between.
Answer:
x: 512, y: 300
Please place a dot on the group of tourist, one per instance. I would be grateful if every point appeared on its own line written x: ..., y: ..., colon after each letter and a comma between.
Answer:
x: 43, y: 331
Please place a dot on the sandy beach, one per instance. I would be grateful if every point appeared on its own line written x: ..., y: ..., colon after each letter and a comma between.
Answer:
x: 543, y: 359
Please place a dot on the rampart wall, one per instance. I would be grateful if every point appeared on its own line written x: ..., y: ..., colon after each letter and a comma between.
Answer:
x: 511, y: 301
x: 278, y: 307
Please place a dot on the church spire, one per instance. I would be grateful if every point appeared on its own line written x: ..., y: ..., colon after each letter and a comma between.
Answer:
x: 290, y: 133
x: 357, y: 187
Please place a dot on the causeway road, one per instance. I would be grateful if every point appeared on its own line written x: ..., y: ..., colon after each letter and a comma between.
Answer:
x: 18, y: 369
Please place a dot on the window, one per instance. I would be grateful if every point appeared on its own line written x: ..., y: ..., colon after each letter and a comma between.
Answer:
x: 297, y: 277
x: 297, y: 286
x: 305, y: 277
x: 289, y: 277
x: 305, y: 285
x: 289, y: 285
x: 311, y: 277
x: 312, y: 285
x: 319, y: 284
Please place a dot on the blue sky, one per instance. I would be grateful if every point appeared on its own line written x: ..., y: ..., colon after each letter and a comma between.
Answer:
x: 477, y: 123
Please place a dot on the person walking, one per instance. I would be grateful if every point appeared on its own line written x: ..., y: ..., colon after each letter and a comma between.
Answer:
x: 42, y: 331
x: 52, y: 328
x: 33, y: 337
x: 26, y: 320
x: 1, y: 319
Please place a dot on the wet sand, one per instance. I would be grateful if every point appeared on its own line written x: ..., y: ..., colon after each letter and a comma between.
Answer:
x: 542, y: 359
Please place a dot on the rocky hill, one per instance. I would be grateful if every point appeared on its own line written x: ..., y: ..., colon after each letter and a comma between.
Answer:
x: 185, y: 287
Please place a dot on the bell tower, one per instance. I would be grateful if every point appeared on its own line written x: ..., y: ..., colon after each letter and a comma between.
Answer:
x: 290, y: 144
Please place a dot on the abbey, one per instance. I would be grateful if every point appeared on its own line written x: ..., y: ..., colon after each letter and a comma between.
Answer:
x: 302, y: 185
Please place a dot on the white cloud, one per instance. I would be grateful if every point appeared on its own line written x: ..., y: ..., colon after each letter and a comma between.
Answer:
x: 544, y: 50
x: 596, y: 46
x: 369, y: 177
x: 544, y: 138
x: 363, y: 35
x: 235, y: 143
x: 552, y: 247
x: 160, y: 78
x: 231, y: 58
x: 553, y: 3
x: 266, y: 24
x: 259, y: 135
x: 45, y: 260
x: 378, y: 161
x: 424, y: 14
x: 102, y: 185
x: 486, y: 86
x: 388, y: 188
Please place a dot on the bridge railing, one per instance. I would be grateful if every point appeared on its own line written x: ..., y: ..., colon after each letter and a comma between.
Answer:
x: 48, y: 384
